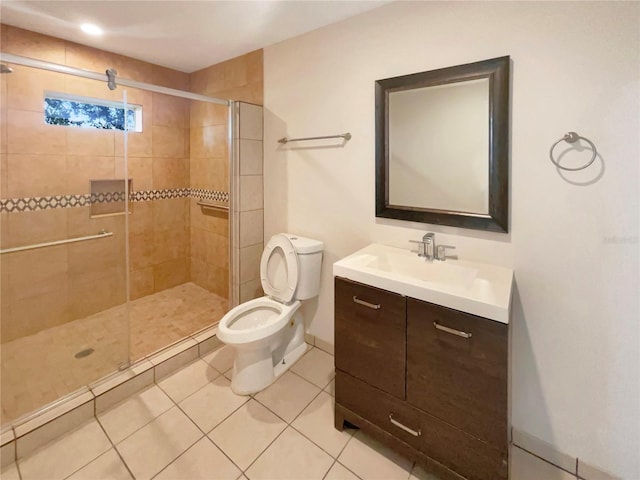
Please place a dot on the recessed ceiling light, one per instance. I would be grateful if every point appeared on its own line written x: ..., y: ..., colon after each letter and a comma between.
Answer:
x: 91, y: 29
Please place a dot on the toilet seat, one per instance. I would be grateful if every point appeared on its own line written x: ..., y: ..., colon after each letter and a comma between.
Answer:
x: 271, y: 317
x: 279, y: 282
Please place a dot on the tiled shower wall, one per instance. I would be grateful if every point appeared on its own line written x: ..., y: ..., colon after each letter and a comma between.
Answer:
x: 239, y: 79
x: 183, y: 144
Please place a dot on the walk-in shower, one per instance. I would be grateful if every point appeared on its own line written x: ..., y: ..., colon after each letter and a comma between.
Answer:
x: 116, y: 229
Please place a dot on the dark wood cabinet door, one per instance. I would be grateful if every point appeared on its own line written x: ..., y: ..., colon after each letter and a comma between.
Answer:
x: 460, y: 380
x: 370, y: 335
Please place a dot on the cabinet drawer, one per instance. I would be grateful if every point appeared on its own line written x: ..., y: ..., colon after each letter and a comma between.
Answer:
x: 370, y: 329
x: 462, y: 381
x: 462, y: 453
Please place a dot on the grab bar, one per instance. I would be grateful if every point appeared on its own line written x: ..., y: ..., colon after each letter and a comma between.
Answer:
x: 346, y: 136
x: 213, y: 206
x: 101, y: 234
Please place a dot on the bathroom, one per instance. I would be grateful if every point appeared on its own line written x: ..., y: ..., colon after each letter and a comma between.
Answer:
x: 572, y: 240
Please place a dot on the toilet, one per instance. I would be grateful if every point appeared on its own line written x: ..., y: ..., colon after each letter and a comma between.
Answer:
x: 267, y: 333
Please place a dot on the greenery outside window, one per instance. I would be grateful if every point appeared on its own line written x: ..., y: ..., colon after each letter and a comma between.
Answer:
x: 86, y: 112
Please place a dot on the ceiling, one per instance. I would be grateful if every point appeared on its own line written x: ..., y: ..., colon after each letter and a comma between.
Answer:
x: 184, y: 35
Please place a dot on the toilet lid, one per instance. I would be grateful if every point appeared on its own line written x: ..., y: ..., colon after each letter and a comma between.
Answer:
x: 279, y: 269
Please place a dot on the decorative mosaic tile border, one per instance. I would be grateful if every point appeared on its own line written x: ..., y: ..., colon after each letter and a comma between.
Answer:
x: 30, y: 204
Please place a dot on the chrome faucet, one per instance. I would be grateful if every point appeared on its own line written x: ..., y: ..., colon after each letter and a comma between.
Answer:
x: 427, y: 248
x: 429, y: 241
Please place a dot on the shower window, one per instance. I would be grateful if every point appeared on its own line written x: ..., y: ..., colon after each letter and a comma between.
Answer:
x: 85, y: 112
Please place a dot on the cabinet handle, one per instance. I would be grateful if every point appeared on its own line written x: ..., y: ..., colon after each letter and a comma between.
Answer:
x: 452, y: 330
x: 366, y: 304
x: 404, y: 427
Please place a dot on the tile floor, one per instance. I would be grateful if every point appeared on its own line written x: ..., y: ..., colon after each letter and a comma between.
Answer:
x: 191, y: 426
x: 155, y: 321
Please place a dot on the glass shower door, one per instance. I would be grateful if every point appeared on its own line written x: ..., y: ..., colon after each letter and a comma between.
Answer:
x: 64, y: 320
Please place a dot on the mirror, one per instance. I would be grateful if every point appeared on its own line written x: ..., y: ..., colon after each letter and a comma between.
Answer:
x: 442, y: 153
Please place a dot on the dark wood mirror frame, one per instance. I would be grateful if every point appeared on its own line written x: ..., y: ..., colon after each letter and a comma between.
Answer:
x: 497, y: 71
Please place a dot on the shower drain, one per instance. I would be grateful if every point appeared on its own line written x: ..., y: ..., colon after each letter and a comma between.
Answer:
x: 84, y: 353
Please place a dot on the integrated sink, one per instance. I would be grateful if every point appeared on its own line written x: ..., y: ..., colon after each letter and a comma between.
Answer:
x: 476, y: 288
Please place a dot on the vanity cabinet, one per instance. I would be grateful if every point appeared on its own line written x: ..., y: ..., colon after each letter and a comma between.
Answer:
x: 429, y: 381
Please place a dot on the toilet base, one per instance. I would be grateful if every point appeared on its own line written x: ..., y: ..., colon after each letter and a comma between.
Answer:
x: 259, y: 364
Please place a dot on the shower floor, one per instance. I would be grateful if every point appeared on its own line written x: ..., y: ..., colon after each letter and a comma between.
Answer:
x: 35, y: 374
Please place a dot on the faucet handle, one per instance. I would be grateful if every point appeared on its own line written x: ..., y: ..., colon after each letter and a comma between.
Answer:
x: 441, y: 253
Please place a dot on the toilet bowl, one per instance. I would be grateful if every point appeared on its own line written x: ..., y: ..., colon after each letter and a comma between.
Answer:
x: 267, y: 333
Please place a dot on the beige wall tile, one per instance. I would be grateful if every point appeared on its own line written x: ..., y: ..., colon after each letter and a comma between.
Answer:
x: 34, y: 45
x: 170, y: 245
x: 209, y: 80
x: 96, y: 256
x: 170, y: 213
x: 141, y: 250
x: 170, y: 274
x: 140, y: 171
x: 27, y: 133
x: 87, y: 58
x: 198, y: 248
x: 140, y: 144
x: 26, y: 87
x: 141, y: 218
x: 209, y: 141
x: 95, y: 291
x: 36, y: 272
x: 90, y: 141
x: 132, y: 69
x: 251, y: 192
x: 250, y: 122
x: 254, y: 62
x: 4, y: 119
x: 217, y: 249
x: 250, y: 262
x: 250, y: 157
x: 36, y: 175
x: 81, y: 169
x: 170, y: 173
x: 26, y: 228
x: 169, y: 78
x: 86, y: 87
x: 218, y: 280
x: 168, y: 142
x: 216, y: 222
x: 199, y: 273
x: 34, y: 314
x: 141, y: 283
x: 170, y: 111
x: 250, y: 290
x: 251, y: 228
x: 4, y: 173
x: 235, y: 72
x: 206, y: 114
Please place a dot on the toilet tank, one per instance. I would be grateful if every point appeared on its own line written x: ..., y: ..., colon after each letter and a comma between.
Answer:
x: 309, y: 262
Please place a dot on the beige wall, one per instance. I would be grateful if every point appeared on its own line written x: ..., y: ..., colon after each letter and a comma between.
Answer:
x: 573, y: 241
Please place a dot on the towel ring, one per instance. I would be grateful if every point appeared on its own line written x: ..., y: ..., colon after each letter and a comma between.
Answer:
x: 573, y: 137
